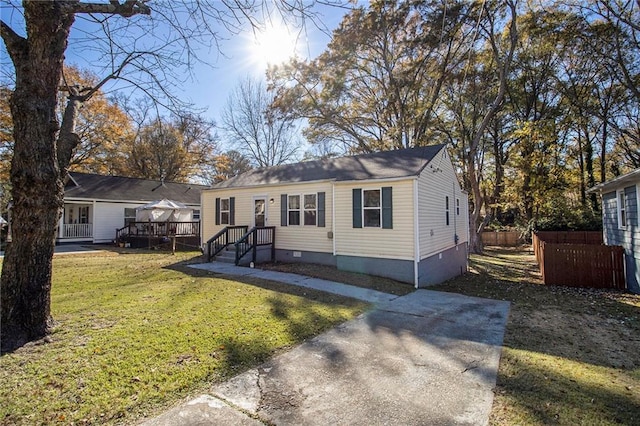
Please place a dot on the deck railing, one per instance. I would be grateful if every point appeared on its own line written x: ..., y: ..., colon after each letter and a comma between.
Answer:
x: 159, y: 229
x: 227, y: 236
x: 77, y: 230
x: 257, y: 236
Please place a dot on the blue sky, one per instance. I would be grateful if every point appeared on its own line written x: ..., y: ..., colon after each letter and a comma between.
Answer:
x: 209, y: 86
x: 213, y: 86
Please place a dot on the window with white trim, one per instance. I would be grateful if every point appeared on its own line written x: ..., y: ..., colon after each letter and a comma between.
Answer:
x: 129, y: 216
x: 83, y: 212
x: 196, y: 214
x: 224, y: 211
x: 310, y: 209
x: 622, y: 209
x: 446, y: 208
x: 371, y: 208
x: 293, y: 209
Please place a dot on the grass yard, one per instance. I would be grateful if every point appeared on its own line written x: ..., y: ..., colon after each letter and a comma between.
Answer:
x: 570, y: 356
x: 137, y: 332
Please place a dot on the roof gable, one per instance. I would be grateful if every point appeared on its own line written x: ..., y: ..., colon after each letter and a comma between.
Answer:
x: 118, y: 188
x: 379, y: 165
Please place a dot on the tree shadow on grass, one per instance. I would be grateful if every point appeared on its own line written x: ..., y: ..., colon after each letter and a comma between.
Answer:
x: 547, y: 396
x: 587, y: 325
x: 307, y: 293
x: 589, y: 332
x: 301, y: 318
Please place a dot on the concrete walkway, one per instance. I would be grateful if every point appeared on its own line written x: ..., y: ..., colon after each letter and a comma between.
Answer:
x: 424, y: 358
x: 367, y: 295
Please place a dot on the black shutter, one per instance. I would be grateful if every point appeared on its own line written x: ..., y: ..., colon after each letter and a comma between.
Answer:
x: 232, y: 211
x: 283, y: 209
x: 321, y: 214
x: 217, y: 211
x: 387, y: 208
x: 357, y: 207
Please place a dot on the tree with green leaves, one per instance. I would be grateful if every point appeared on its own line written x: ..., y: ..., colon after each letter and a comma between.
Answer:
x: 377, y: 85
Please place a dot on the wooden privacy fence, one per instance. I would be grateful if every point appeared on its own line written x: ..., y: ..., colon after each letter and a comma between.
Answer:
x: 571, y: 237
x: 579, y: 265
x: 501, y: 238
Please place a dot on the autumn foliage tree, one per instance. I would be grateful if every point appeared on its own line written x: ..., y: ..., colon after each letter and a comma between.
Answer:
x: 178, y: 149
x: 152, y: 61
x: 101, y: 125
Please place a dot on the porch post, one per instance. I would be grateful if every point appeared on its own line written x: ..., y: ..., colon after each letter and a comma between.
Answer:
x: 61, y: 225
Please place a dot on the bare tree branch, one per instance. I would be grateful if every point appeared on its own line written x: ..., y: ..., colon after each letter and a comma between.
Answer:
x: 126, y: 10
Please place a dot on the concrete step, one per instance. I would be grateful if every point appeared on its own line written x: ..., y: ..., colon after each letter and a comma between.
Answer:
x: 226, y: 256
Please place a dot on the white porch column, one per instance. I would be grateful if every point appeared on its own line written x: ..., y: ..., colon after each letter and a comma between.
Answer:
x: 61, y: 225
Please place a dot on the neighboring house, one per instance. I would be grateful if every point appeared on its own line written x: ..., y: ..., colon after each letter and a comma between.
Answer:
x: 621, y: 221
x: 399, y: 214
x: 95, y: 205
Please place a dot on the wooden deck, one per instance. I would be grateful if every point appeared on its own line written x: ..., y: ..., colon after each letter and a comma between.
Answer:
x: 181, y: 235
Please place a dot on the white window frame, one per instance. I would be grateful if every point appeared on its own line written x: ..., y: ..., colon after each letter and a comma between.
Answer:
x: 130, y: 218
x: 83, y: 214
x: 621, y: 207
x: 446, y: 210
x: 195, y: 215
x: 379, y: 208
x: 227, y: 211
x: 299, y: 210
x: 305, y: 210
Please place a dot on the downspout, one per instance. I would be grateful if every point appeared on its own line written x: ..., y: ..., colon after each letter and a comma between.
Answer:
x: 416, y: 233
x: 454, y: 204
x: 333, y: 216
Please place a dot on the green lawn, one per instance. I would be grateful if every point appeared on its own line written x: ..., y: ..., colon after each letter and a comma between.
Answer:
x: 137, y: 332
x: 570, y: 356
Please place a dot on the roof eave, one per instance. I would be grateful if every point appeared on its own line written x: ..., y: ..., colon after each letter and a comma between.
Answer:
x: 382, y: 179
x: 263, y: 185
x: 632, y: 177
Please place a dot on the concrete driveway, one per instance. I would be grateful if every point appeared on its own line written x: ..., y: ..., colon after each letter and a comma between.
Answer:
x: 428, y: 358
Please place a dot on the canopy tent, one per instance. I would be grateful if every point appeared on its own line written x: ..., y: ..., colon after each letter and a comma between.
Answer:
x: 164, y: 210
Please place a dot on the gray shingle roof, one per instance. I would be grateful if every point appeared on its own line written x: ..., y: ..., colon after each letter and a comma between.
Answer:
x: 116, y: 188
x: 379, y: 165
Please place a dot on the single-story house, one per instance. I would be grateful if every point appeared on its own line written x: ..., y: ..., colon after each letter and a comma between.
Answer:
x: 96, y: 205
x: 400, y: 214
x: 621, y: 221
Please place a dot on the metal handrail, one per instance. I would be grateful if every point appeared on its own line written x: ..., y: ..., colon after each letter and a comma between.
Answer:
x: 256, y: 236
x: 224, y: 238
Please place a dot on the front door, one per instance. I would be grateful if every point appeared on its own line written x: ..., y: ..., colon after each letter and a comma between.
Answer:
x: 260, y: 211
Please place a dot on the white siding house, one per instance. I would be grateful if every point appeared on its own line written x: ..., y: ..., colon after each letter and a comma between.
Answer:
x: 95, y: 205
x: 621, y: 221
x: 400, y: 214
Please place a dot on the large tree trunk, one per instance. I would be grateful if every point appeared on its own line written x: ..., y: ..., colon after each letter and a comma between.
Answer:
x: 36, y: 178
